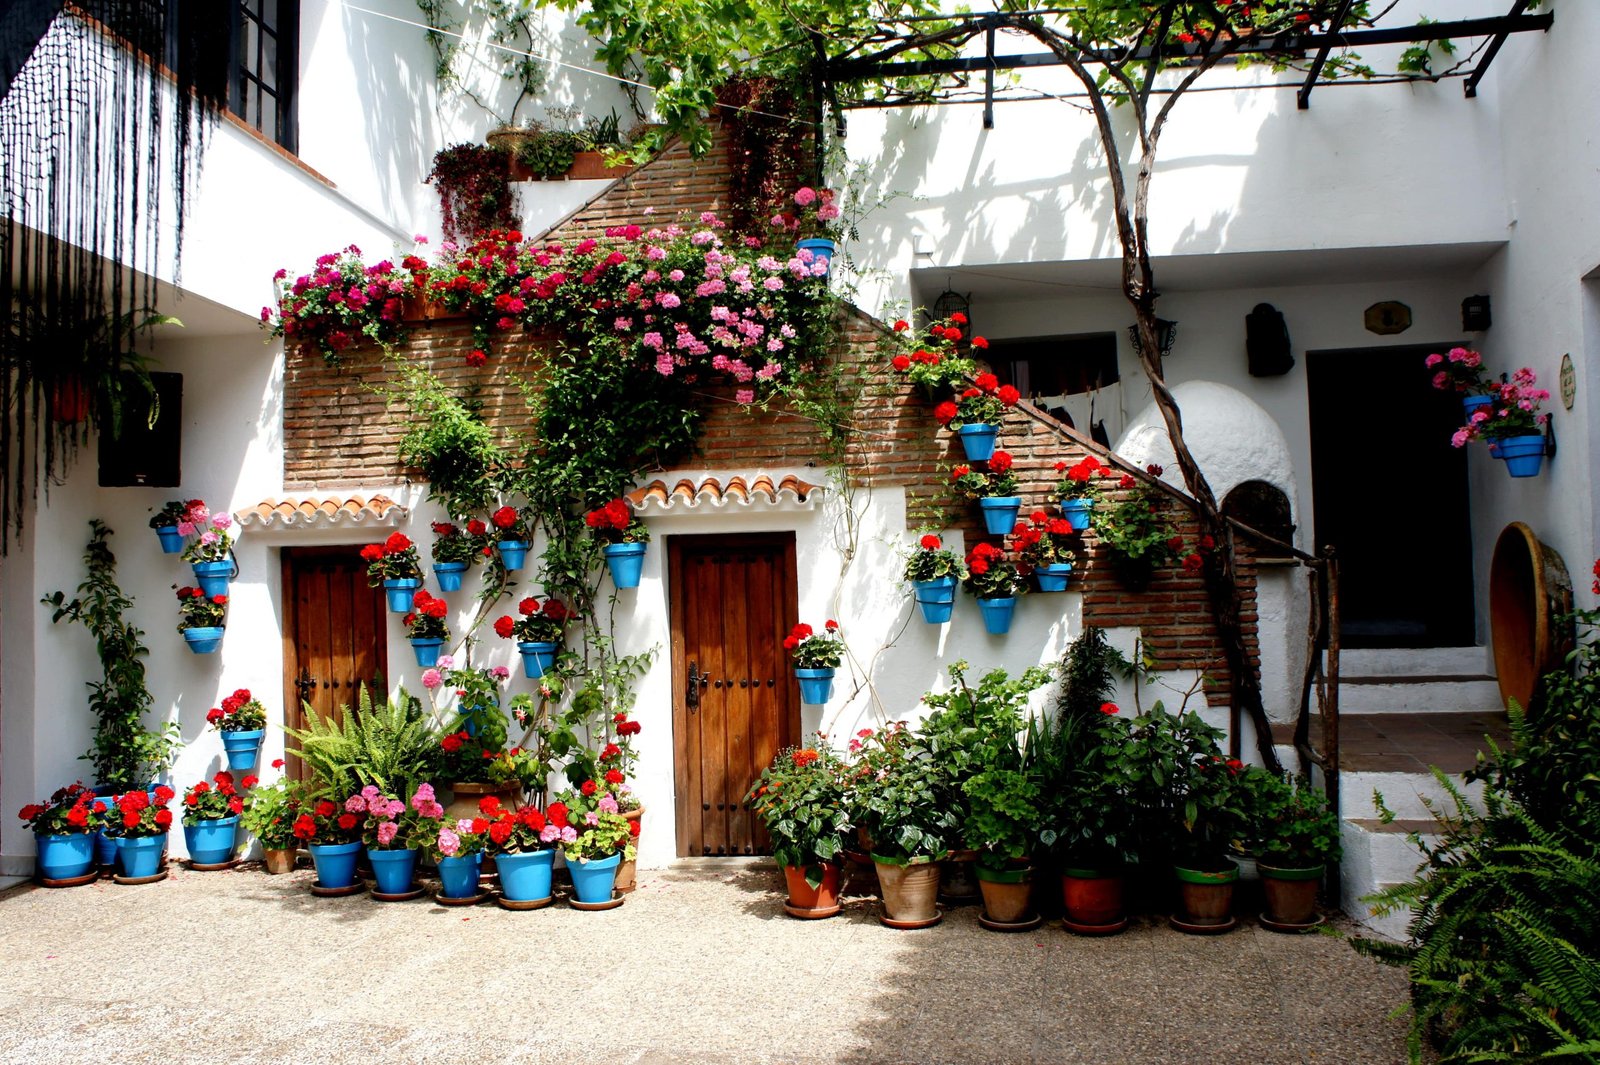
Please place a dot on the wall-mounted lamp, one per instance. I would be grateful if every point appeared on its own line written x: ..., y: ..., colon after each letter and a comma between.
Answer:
x: 1475, y: 314
x: 1166, y: 334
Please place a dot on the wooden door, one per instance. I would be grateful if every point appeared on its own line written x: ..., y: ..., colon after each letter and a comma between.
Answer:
x: 335, y: 634
x: 733, y: 601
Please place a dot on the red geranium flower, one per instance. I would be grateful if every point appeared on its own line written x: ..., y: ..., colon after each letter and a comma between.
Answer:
x: 901, y: 363
x: 504, y: 518
x: 527, y: 606
x: 325, y: 808
x: 930, y: 542
x: 164, y: 818
x: 557, y: 813
x: 503, y: 626
x: 1000, y: 462
x: 397, y: 542
x: 347, y: 821
x: 614, y: 776
x: 588, y: 787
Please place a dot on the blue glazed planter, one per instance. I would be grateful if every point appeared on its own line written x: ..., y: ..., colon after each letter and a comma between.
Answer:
x: 1472, y: 403
x: 140, y: 855
x: 64, y: 857
x: 171, y: 543
x: 513, y: 553
x: 594, y: 881
x: 997, y: 614
x: 821, y: 249
x: 449, y: 575
x: 335, y: 862
x: 400, y: 591
x: 1077, y: 512
x: 213, y: 577
x: 205, y: 640
x: 458, y: 877
x: 816, y: 685
x: 537, y: 657
x: 1000, y: 514
x: 392, y: 870
x: 937, y: 598
x: 242, y: 747
x: 626, y: 562
x: 1053, y: 576
x: 212, y: 842
x: 525, y: 877
x: 977, y: 440
x: 1523, y: 455
x: 427, y: 652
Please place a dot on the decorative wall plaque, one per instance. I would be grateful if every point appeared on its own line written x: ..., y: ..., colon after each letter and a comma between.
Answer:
x: 1569, y: 381
x: 1388, y: 318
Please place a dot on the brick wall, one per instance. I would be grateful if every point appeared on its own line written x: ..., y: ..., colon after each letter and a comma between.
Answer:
x: 340, y: 428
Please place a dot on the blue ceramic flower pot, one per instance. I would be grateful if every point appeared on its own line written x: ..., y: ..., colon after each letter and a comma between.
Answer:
x: 594, y: 881
x: 458, y: 877
x: 816, y: 685
x: 139, y: 856
x: 427, y: 652
x: 400, y: 591
x: 212, y: 842
x: 822, y: 250
x: 1000, y: 514
x: 65, y: 857
x: 213, y: 577
x: 1053, y: 576
x: 171, y: 543
x: 393, y: 871
x: 1523, y: 455
x: 449, y: 575
x: 242, y: 747
x: 335, y: 862
x: 997, y: 614
x: 937, y: 598
x: 513, y: 553
x: 1472, y: 403
x: 1077, y: 512
x: 525, y: 877
x: 204, y: 640
x: 977, y: 440
x: 626, y: 562
x: 537, y: 657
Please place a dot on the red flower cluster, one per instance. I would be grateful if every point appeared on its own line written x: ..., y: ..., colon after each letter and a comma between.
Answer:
x: 797, y: 635
x: 981, y: 557
x: 625, y: 727
x: 1000, y: 462
x: 805, y: 757
x: 930, y: 542
x: 504, y: 518
x: 452, y: 743
x: 615, y: 515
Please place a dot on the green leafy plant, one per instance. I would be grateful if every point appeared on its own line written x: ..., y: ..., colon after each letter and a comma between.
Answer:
x: 938, y: 359
x: 1291, y: 825
x: 1088, y: 817
x: 550, y: 153
x: 996, y: 480
x: 901, y: 796
x: 389, y: 745
x: 126, y: 754
x: 1136, y: 530
x: 991, y: 574
x: 197, y: 610
x: 1188, y: 805
x: 815, y: 650
x: 932, y: 560
x: 801, y: 798
x: 270, y: 811
x: 219, y: 798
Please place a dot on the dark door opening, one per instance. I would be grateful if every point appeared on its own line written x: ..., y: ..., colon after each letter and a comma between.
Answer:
x: 1390, y: 495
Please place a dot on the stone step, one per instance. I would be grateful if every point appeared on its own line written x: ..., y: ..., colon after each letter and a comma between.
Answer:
x: 1416, y: 661
x: 1403, y: 793
x: 1378, y: 856
x: 1448, y: 693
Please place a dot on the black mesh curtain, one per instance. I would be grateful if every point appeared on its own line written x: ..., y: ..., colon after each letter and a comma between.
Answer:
x: 92, y: 140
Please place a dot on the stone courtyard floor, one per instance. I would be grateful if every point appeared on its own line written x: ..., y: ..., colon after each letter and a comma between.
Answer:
x: 700, y: 965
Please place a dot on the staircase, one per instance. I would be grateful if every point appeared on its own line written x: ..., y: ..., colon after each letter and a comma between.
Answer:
x: 1401, y: 713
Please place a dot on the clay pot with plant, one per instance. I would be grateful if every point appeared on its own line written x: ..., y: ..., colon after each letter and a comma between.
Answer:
x: 1294, y: 836
x: 900, y: 799
x: 801, y: 799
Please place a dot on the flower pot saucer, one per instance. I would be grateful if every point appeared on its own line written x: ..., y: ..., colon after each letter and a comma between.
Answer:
x: 336, y: 892
x: 1027, y: 925
x: 811, y: 913
x: 523, y: 904
x: 465, y: 900
x: 71, y: 881
x: 617, y: 899
x: 1288, y: 927
x: 416, y: 892
x: 909, y: 926
x: 210, y: 867
x: 959, y: 900
x: 135, y: 881
x: 1094, y: 929
x: 1203, y: 929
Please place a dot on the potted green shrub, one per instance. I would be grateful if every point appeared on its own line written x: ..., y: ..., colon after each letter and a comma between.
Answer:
x: 269, y: 815
x: 1136, y: 531
x: 900, y: 803
x: 801, y: 799
x: 1294, y: 836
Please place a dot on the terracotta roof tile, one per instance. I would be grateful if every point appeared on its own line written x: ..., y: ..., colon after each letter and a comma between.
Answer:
x: 688, y: 493
x: 314, y: 513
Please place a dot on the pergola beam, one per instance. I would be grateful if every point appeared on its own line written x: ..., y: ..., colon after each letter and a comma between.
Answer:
x: 1482, y: 68
x: 1303, y: 97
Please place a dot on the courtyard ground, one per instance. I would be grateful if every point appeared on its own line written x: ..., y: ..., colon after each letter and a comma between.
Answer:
x: 700, y: 965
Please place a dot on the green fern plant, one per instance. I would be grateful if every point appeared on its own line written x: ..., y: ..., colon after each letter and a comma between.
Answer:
x: 391, y: 745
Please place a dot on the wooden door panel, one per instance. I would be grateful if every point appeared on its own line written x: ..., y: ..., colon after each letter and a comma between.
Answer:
x: 732, y: 600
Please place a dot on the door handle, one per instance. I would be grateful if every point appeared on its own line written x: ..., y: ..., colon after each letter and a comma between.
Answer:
x: 305, y: 684
x: 695, y: 681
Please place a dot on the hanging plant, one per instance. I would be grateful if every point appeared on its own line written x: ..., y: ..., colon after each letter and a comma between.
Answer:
x: 474, y: 183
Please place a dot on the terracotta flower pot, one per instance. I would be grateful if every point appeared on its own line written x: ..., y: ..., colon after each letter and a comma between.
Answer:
x: 466, y: 796
x: 1093, y: 899
x: 957, y: 885
x: 1007, y: 895
x: 1205, y: 899
x: 910, y: 891
x: 627, y: 872
x: 810, y: 902
x: 279, y: 861
x: 1291, y: 894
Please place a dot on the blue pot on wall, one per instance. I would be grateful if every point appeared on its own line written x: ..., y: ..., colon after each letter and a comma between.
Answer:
x: 821, y: 249
x: 171, y: 543
x: 458, y: 876
x: 400, y: 591
x: 937, y: 598
x: 997, y: 614
x: 427, y: 652
x: 1523, y: 455
x: 449, y: 575
x: 977, y: 441
x: 335, y: 862
x: 65, y: 857
x: 593, y: 882
x: 140, y: 856
x: 392, y: 870
x: 205, y: 639
x: 1053, y: 576
x: 816, y: 685
x: 211, y: 842
x: 1000, y: 514
x: 213, y: 577
x: 626, y: 562
x: 1077, y: 512
x: 242, y: 747
x: 513, y: 553
x: 525, y: 877
x: 537, y: 656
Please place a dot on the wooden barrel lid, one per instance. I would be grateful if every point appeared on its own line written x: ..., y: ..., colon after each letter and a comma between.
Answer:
x: 1529, y: 592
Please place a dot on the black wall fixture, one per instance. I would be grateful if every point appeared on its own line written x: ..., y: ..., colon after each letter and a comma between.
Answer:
x: 137, y: 450
x: 1266, y: 342
x: 1475, y: 314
